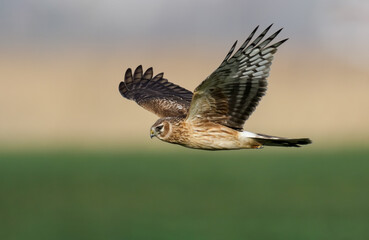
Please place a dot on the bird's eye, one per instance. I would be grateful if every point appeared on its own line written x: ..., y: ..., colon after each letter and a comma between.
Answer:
x: 158, y: 128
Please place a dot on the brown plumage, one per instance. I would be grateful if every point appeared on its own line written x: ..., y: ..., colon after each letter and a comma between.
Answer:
x: 155, y: 94
x: 213, y: 116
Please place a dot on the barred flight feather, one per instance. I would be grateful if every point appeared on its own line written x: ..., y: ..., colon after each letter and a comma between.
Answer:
x: 240, y: 80
x: 155, y: 94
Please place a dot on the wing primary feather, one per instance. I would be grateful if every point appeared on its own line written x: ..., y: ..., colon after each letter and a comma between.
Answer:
x: 269, y: 39
x: 147, y: 76
x: 275, y: 45
x: 157, y: 77
x: 239, y: 51
x: 128, y: 78
x: 258, y: 39
x: 138, y: 74
x: 122, y: 88
x: 155, y: 94
x: 229, y: 53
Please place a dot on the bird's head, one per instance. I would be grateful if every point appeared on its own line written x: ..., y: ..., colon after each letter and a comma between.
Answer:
x: 161, y: 129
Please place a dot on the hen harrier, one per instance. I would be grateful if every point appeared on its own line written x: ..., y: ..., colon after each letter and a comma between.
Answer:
x: 213, y: 116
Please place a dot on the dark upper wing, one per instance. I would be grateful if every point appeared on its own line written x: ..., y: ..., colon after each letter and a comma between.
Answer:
x: 231, y: 93
x: 155, y: 94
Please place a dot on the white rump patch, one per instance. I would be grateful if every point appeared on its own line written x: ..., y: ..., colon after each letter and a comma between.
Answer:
x: 247, y: 134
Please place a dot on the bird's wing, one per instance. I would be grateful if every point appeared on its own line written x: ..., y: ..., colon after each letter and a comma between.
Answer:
x: 231, y: 93
x: 155, y: 94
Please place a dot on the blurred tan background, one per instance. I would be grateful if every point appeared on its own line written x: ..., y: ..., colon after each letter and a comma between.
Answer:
x: 61, y: 63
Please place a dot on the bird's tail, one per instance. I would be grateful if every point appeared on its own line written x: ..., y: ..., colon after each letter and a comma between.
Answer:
x: 267, y: 140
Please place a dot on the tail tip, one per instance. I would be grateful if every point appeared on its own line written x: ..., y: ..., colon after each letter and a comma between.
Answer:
x: 304, y: 141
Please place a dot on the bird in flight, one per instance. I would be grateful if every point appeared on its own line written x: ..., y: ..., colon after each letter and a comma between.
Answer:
x: 212, y: 117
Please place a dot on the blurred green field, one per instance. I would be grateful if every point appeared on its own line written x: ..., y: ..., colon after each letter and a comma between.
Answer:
x: 268, y: 194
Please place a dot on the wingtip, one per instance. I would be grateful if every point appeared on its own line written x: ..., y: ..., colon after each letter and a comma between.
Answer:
x: 150, y: 69
x: 275, y: 45
x: 255, y: 29
x: 269, y: 27
x: 127, y: 74
x: 158, y: 77
x: 122, y: 88
x: 128, y: 70
x: 279, y: 30
x: 138, y: 69
x: 234, y: 44
x: 284, y: 40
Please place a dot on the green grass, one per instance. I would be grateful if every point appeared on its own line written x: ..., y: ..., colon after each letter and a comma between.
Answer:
x: 276, y: 194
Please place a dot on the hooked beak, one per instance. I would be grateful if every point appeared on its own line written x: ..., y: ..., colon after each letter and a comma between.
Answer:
x: 152, y: 133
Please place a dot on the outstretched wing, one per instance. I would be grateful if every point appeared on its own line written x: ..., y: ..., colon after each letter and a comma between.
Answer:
x: 155, y: 94
x: 232, y: 92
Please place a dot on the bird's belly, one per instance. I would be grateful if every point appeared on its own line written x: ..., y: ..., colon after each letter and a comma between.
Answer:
x: 213, y: 139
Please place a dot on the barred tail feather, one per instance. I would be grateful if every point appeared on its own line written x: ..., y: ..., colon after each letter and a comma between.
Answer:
x: 281, y: 142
